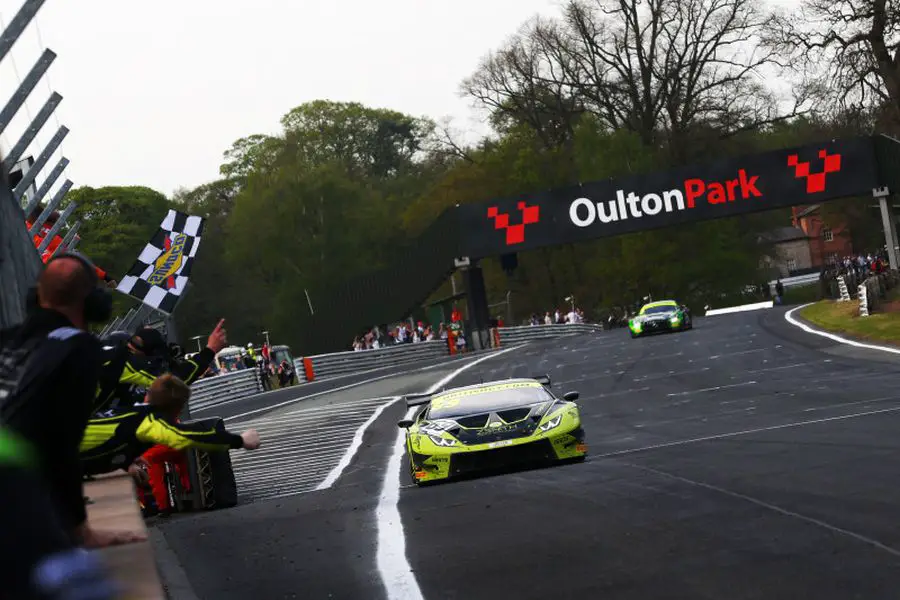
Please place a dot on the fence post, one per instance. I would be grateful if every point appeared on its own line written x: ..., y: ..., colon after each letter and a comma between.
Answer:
x: 863, y: 301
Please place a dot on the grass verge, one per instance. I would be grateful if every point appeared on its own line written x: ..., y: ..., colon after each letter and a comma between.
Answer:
x: 843, y: 317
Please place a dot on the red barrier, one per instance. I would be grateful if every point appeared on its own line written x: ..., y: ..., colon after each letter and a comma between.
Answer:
x: 308, y: 369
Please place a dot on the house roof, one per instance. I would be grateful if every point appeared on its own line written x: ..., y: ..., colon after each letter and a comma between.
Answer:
x: 784, y: 234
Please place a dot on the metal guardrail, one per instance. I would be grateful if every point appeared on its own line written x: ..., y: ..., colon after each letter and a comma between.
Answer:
x: 525, y: 333
x: 798, y: 280
x: 342, y: 363
x: 211, y: 391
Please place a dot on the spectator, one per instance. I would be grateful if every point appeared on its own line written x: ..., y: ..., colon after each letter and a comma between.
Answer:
x: 779, y: 291
x: 285, y: 373
x: 49, y: 373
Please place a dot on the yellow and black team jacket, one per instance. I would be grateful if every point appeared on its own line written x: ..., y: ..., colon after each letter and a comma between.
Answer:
x: 125, y: 376
x: 111, y: 443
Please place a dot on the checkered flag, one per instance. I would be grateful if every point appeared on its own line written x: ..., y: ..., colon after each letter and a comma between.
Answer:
x: 160, y: 275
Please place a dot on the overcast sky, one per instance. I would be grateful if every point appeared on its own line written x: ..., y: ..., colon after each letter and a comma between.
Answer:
x: 155, y: 92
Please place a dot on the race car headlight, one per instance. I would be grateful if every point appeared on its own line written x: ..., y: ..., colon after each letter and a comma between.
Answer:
x: 439, y: 441
x: 554, y: 422
x: 636, y: 325
x: 675, y: 319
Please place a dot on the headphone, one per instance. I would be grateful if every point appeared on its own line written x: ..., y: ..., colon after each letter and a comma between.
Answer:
x: 99, y: 302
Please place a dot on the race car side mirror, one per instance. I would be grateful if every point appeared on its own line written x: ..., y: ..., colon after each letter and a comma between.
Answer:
x: 570, y: 396
x: 405, y: 423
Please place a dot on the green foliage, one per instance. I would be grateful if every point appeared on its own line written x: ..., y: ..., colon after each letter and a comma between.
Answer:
x: 365, y: 141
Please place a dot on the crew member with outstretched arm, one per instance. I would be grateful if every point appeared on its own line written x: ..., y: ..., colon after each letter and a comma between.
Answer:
x: 116, y: 442
x: 130, y: 367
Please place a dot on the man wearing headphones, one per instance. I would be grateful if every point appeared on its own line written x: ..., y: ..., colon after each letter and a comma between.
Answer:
x: 49, y: 372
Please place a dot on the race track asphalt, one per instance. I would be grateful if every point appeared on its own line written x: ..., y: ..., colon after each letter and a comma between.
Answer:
x: 743, y: 459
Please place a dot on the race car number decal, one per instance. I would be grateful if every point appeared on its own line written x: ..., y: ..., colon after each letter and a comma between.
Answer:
x: 500, y: 444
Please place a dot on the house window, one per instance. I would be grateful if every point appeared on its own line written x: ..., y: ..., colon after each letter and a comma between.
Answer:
x: 792, y: 264
x: 828, y: 235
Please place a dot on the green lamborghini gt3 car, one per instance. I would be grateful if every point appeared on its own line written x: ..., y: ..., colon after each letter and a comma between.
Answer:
x: 491, y: 425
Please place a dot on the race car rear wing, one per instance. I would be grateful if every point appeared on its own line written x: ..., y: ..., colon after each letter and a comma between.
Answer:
x: 417, y: 399
x: 542, y: 379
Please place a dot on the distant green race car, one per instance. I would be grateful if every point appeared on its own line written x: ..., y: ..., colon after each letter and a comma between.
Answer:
x: 659, y: 317
x: 491, y: 425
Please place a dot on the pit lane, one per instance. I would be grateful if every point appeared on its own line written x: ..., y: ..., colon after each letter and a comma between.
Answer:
x: 743, y: 459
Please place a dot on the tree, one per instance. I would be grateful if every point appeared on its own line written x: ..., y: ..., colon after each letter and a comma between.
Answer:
x: 366, y: 141
x: 848, y: 50
x: 250, y: 154
x: 661, y: 69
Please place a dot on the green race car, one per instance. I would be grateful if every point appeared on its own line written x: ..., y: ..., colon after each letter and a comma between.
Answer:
x: 659, y: 317
x: 489, y: 426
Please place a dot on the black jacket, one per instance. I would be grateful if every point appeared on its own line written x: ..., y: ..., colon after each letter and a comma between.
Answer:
x: 125, y: 377
x: 115, y: 442
x: 48, y: 378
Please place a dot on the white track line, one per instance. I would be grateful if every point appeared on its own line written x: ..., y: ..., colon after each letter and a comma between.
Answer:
x: 393, y: 567
x: 721, y: 436
x: 783, y: 511
x: 354, y: 447
x: 789, y: 317
x: 711, y: 389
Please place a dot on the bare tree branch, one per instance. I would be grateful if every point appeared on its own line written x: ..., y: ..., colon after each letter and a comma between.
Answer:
x: 656, y: 67
x: 852, y: 47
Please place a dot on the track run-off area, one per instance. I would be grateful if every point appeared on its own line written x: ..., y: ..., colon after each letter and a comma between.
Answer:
x: 746, y: 458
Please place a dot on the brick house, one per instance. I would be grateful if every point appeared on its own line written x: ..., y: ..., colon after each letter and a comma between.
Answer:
x: 826, y: 244
x: 807, y: 244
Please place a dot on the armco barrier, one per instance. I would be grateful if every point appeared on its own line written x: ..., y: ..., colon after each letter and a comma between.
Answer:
x: 321, y: 366
x: 210, y: 391
x: 525, y: 333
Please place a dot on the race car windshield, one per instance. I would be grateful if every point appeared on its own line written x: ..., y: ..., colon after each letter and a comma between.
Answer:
x: 662, y: 308
x: 453, y: 405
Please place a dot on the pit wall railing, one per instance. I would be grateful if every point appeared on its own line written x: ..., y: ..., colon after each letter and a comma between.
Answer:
x: 213, y: 391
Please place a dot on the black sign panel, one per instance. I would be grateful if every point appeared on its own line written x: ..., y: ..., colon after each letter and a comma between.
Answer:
x: 781, y: 178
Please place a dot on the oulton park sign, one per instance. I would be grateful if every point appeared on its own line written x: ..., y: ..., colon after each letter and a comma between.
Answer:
x: 777, y: 179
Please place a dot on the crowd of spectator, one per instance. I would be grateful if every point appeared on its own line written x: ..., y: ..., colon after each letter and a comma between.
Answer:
x: 558, y: 317
x: 861, y: 265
